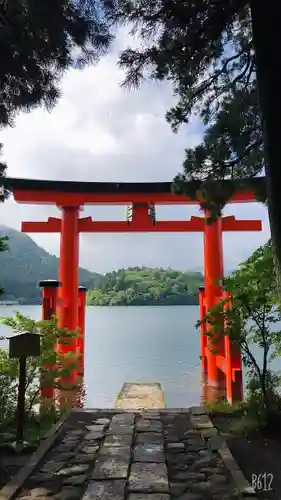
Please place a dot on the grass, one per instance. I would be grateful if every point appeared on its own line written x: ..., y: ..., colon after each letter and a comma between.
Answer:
x: 237, y: 419
x: 247, y: 418
x: 35, y: 429
x: 222, y: 407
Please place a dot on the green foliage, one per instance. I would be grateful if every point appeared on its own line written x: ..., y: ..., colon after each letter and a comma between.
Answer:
x: 239, y: 418
x: 35, y: 429
x: 221, y: 407
x: 25, y: 263
x: 3, y: 248
x: 253, y: 321
x: 3, y: 170
x: 37, y: 373
x: 39, y: 41
x: 207, y: 52
x: 247, y: 424
x: 146, y: 286
x: 3, y: 244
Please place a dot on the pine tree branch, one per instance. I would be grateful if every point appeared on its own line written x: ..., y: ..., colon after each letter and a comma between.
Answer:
x: 203, y: 86
x: 248, y: 149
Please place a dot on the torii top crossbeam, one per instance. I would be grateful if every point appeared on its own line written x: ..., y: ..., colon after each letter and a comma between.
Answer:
x: 73, y: 193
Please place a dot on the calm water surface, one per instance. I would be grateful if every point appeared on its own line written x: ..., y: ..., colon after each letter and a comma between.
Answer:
x: 141, y: 344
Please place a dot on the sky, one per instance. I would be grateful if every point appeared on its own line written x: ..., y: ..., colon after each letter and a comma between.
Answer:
x: 100, y: 132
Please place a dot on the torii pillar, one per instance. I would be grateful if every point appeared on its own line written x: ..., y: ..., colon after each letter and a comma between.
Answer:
x: 68, y: 296
x: 213, y: 273
x: 220, y: 361
x: 67, y: 305
x: 68, y: 270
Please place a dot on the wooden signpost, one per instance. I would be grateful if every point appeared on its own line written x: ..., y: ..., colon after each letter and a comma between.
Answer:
x: 23, y: 346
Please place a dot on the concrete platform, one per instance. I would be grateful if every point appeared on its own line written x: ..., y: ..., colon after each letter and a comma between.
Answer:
x: 138, y: 396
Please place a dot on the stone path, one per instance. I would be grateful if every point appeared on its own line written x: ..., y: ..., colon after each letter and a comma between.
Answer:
x: 109, y: 455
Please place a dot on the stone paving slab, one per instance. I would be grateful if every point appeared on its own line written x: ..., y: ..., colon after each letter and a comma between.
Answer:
x: 123, y: 452
x: 149, y: 496
x: 147, y: 425
x: 111, y: 467
x: 105, y: 490
x: 148, y: 477
x: 149, y: 437
x: 88, y: 461
x: 118, y: 440
x: 149, y: 452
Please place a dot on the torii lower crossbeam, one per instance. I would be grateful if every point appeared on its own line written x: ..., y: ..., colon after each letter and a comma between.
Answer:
x: 87, y: 225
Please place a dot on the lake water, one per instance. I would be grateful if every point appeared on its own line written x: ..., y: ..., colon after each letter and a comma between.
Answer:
x: 136, y: 344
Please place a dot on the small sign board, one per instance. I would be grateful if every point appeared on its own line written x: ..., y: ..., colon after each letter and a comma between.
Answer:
x: 24, y: 345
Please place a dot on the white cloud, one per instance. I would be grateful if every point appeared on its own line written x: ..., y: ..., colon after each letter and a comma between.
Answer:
x: 100, y: 132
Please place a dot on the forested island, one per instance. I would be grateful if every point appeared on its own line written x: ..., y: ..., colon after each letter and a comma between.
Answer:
x: 144, y: 286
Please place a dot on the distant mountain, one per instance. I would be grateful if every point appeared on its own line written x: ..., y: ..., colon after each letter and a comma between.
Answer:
x: 25, y: 263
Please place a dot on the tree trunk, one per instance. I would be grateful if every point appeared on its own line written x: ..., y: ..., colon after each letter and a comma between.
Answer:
x: 266, y: 25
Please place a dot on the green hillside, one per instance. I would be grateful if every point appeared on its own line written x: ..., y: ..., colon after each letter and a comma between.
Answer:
x: 25, y: 263
x: 146, y: 286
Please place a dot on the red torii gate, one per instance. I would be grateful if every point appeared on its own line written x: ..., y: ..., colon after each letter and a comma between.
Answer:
x: 70, y: 197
